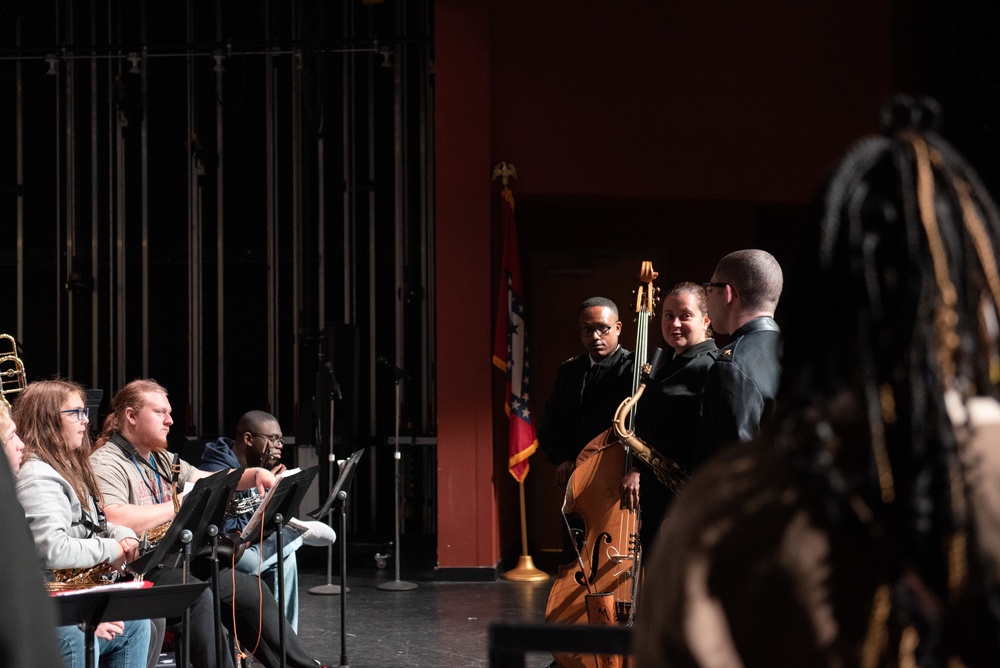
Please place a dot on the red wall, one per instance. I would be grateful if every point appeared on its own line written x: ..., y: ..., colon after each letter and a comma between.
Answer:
x: 467, y: 525
x: 699, y: 121
x: 726, y: 100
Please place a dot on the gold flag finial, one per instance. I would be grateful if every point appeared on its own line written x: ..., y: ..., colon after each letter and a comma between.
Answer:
x: 504, y: 170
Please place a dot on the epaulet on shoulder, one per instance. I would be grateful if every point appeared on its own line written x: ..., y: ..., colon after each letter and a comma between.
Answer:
x: 726, y: 354
x: 573, y: 358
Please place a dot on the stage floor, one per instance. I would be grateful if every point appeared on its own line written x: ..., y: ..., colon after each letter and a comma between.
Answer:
x: 438, y: 624
x: 443, y: 624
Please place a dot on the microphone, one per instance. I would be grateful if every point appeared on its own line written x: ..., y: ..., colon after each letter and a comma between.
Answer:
x: 396, y: 372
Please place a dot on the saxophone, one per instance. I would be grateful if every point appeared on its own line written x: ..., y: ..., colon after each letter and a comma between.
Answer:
x: 152, y: 537
x: 667, y: 470
x: 67, y: 579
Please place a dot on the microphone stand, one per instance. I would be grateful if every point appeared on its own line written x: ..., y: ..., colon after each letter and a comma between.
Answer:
x: 397, y: 584
x: 330, y: 589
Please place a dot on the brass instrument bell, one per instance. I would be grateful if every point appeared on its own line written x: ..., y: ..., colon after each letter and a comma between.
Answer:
x: 12, y: 378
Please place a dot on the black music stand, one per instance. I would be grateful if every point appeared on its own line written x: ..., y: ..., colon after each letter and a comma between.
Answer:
x: 283, y: 498
x: 338, y: 498
x: 99, y: 604
x: 198, y: 507
x: 188, y: 530
x: 222, y: 485
x: 280, y: 503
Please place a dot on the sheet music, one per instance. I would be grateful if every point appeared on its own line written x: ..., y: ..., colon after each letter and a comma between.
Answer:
x: 255, y: 519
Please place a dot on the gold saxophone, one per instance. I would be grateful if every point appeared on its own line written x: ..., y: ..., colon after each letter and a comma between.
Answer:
x: 66, y: 579
x: 152, y: 537
x: 667, y: 470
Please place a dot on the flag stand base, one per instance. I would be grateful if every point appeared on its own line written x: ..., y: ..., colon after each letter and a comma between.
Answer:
x: 525, y: 571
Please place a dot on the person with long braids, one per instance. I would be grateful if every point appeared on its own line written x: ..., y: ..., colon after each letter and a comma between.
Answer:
x: 863, y: 527
x: 64, y: 508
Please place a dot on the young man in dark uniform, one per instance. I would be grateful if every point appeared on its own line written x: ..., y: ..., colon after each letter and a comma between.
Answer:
x: 588, y: 389
x: 743, y: 382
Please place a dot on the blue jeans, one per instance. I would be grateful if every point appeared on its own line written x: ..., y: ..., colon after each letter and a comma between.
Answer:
x: 129, y: 650
x: 262, y: 560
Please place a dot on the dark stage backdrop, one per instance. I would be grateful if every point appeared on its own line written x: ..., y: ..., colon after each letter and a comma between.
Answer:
x: 229, y: 197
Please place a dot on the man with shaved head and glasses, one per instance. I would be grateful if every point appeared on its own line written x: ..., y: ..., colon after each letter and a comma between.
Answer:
x: 258, y: 443
x: 739, y: 392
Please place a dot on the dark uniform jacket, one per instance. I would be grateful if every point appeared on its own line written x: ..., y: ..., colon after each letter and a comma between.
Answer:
x: 572, y: 418
x: 667, y: 419
x: 669, y: 411
x: 740, y: 388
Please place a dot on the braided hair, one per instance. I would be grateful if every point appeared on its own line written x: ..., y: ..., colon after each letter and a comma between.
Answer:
x: 894, y: 322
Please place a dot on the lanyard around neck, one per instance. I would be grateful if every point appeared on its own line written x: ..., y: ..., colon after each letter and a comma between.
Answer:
x: 145, y: 479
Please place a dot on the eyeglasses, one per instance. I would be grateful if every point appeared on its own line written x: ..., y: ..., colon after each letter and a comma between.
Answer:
x: 714, y: 284
x: 80, y: 414
x: 274, y: 439
x: 600, y: 330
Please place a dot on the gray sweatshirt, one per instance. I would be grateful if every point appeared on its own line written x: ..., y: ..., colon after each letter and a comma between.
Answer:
x: 51, y: 508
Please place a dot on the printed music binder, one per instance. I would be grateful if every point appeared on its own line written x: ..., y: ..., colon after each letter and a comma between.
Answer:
x: 284, y: 498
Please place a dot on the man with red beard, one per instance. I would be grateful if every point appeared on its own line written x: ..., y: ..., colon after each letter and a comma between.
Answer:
x: 132, y: 466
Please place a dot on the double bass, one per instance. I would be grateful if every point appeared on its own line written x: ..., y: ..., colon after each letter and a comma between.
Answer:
x: 601, y: 587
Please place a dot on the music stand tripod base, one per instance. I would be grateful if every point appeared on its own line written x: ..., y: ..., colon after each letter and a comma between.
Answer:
x: 396, y: 585
x: 327, y: 590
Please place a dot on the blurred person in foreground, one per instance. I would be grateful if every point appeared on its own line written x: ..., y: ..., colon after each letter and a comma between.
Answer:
x: 863, y: 527
x: 33, y: 616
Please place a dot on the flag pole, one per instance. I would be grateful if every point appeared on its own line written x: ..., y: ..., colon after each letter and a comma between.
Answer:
x: 510, y: 352
x: 525, y: 571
